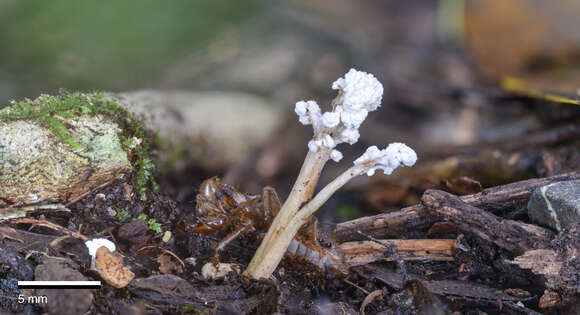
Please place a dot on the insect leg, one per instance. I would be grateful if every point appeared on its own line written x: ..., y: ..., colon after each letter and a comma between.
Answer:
x: 243, y: 229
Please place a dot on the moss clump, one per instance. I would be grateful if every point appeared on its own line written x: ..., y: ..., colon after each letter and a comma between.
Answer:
x: 123, y: 215
x: 52, y: 112
x: 151, y: 223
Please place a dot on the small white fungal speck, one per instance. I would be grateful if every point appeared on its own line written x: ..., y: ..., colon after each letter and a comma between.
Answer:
x: 330, y: 119
x: 312, y: 146
x: 350, y: 136
x: 308, y: 112
x: 353, y: 119
x: 336, y: 155
x: 96, y: 243
x: 328, y: 141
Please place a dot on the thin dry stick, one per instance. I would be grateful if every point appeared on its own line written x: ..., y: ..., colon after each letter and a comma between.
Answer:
x: 50, y: 225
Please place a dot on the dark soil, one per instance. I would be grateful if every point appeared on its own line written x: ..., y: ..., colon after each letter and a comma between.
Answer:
x: 298, y: 287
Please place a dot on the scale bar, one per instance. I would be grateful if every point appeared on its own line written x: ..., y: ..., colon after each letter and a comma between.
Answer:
x: 59, y: 284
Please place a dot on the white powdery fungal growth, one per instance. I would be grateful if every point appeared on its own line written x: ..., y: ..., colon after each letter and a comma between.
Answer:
x: 360, y: 93
x: 395, y: 155
x: 96, y: 243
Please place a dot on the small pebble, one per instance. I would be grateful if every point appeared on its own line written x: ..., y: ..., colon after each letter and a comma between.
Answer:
x: 218, y: 271
x: 191, y: 260
x: 556, y: 206
x: 166, y: 236
x: 111, y: 212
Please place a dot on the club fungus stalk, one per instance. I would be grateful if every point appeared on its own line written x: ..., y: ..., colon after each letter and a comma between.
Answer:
x: 359, y: 93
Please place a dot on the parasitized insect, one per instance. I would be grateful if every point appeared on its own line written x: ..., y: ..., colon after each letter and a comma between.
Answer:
x: 221, y: 207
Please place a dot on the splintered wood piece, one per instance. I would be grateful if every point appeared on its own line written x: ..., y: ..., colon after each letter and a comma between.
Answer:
x: 364, y: 252
x: 416, y: 217
x: 111, y: 269
x: 540, y: 261
x: 512, y: 235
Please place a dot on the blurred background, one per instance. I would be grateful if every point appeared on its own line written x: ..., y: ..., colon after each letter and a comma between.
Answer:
x: 460, y: 76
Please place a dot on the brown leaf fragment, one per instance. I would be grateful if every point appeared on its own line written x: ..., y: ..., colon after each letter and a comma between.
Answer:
x: 111, y: 268
x: 168, y: 265
x: 10, y: 234
x: 461, y: 186
x: 517, y: 292
x: 549, y: 299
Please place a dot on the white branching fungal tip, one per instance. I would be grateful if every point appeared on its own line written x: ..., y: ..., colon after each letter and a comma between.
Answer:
x: 395, y: 155
x: 336, y: 155
x: 360, y: 93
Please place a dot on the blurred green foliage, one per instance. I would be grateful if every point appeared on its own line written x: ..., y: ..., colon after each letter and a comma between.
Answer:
x: 348, y: 212
x: 109, y: 45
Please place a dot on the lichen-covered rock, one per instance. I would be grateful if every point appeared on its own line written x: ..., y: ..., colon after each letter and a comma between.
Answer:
x: 57, y: 149
x: 35, y: 165
x: 556, y: 205
x: 209, y: 129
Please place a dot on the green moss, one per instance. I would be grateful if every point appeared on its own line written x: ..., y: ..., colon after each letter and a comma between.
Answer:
x: 348, y: 212
x: 52, y: 112
x: 151, y: 223
x: 123, y: 214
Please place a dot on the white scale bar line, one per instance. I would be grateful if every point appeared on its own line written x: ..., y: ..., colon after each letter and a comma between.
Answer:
x: 59, y: 283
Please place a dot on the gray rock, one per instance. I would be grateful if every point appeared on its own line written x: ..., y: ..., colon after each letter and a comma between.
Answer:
x: 556, y: 206
x: 209, y: 129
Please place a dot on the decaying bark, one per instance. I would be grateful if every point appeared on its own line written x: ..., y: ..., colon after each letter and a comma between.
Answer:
x: 514, y: 236
x: 441, y: 287
x: 364, y: 252
x: 558, y: 264
x: 494, y: 199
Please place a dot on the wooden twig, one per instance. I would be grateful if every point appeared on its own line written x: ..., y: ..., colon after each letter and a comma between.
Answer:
x: 416, y: 217
x: 364, y: 252
x: 514, y: 236
x: 50, y: 225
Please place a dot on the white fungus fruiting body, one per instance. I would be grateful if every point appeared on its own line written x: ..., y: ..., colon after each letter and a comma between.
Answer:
x: 395, y: 155
x: 96, y: 243
x: 360, y: 94
x: 360, y: 90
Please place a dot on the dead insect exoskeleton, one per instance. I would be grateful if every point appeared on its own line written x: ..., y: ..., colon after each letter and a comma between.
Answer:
x: 221, y: 207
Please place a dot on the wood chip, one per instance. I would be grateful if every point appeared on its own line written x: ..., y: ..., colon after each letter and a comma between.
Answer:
x: 111, y: 268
